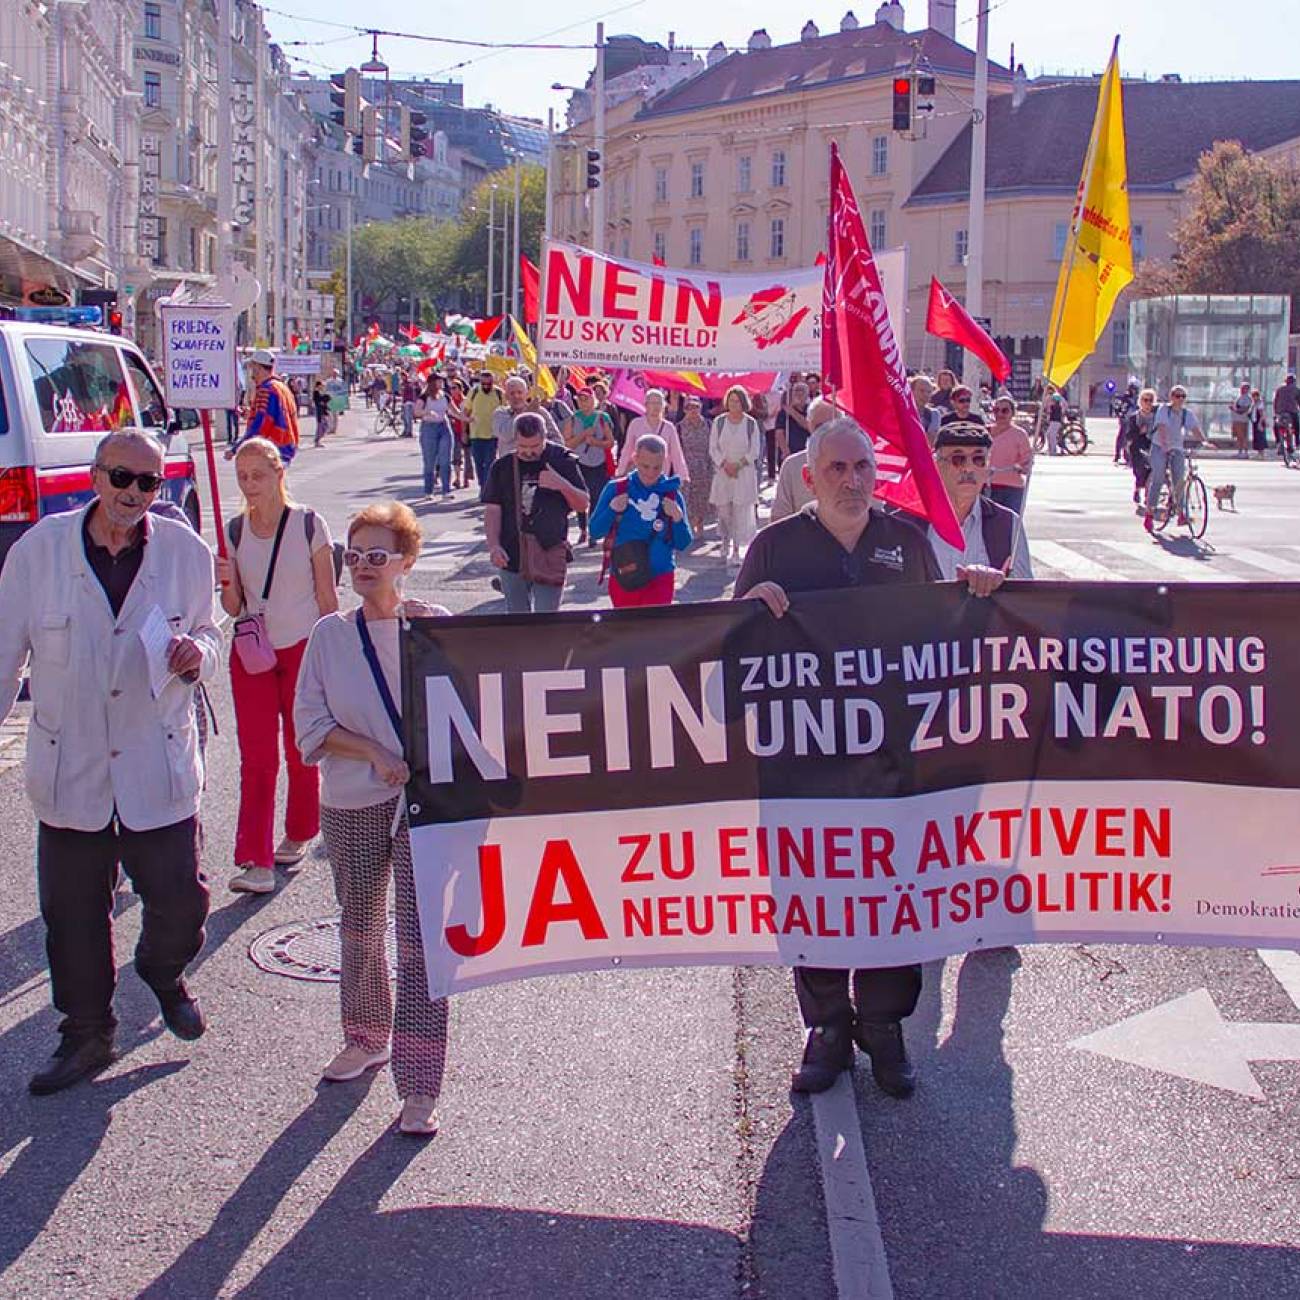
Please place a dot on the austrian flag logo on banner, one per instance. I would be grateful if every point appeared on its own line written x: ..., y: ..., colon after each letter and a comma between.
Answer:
x: 770, y: 317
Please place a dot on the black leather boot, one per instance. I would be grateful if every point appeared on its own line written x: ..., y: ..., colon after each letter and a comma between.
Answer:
x: 890, y: 1067
x: 827, y: 1054
x: 73, y: 1060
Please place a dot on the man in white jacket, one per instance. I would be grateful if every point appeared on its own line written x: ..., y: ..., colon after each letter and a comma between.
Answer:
x: 115, y: 608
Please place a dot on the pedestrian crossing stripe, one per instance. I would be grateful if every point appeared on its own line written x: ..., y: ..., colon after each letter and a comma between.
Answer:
x: 1147, y: 560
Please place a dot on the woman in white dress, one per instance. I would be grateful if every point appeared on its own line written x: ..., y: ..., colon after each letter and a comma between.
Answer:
x: 735, y: 448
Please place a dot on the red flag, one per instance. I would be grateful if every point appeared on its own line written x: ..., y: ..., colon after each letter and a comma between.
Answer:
x: 531, y: 279
x: 862, y: 361
x: 948, y: 319
x: 484, y: 329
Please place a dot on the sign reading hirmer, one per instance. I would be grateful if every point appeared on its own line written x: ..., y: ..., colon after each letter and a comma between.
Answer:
x: 598, y: 309
x: 859, y: 783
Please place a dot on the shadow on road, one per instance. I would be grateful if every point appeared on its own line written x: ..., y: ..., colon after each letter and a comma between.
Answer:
x: 62, y: 1135
x: 961, y: 1218
x: 349, y: 1247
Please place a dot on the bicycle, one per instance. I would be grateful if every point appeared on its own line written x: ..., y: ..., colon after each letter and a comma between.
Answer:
x: 388, y: 418
x: 1195, y: 514
x: 1071, y: 438
x: 1285, y: 436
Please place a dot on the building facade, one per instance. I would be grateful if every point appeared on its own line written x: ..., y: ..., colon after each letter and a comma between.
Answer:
x: 726, y: 169
x: 67, y: 136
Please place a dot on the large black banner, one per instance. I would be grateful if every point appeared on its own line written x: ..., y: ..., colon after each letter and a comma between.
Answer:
x: 874, y: 778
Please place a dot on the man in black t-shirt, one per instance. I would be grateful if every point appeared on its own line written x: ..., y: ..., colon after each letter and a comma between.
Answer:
x: 550, y: 486
x: 840, y: 541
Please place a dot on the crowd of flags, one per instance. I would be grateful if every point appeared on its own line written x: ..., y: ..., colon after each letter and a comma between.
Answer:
x: 862, y: 360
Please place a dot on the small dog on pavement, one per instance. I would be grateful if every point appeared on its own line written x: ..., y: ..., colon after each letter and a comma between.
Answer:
x: 1226, y: 495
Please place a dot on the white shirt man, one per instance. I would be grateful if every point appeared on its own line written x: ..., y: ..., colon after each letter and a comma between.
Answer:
x: 98, y: 598
x: 994, y: 535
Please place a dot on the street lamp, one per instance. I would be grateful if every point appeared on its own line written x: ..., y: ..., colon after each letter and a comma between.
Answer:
x: 351, y: 200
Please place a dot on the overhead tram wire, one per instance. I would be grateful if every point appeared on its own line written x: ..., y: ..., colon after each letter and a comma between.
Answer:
x: 538, y: 43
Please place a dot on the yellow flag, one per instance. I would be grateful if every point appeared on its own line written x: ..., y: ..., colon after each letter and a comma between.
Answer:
x: 1098, y: 259
x: 545, y: 380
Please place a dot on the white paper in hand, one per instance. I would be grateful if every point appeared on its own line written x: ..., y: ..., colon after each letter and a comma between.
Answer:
x: 156, y: 636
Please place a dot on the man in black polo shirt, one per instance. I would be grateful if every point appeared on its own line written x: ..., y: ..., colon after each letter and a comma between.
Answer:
x: 840, y: 541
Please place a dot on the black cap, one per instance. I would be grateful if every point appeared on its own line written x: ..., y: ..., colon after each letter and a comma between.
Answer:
x: 959, y: 434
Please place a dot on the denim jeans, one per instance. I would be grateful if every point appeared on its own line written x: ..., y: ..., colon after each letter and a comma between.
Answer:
x: 408, y: 418
x: 1176, y: 461
x: 528, y: 597
x: 484, y: 452
x: 435, y: 451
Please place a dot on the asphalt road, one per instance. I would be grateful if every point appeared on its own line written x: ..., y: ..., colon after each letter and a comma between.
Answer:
x: 632, y: 1134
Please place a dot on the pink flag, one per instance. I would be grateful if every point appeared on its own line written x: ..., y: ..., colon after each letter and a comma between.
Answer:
x: 627, y: 389
x: 862, y: 361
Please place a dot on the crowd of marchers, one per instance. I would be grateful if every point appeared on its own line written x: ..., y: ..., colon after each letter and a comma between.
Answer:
x: 116, y: 761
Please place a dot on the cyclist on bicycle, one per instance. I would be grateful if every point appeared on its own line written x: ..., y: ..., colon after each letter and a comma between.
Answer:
x: 1173, y: 428
x: 1286, y: 416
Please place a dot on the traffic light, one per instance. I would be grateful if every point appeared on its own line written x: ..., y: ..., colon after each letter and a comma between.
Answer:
x: 902, y: 103
x: 345, y: 96
x: 114, y: 320
x: 413, y: 138
x: 593, y: 169
x: 369, y: 134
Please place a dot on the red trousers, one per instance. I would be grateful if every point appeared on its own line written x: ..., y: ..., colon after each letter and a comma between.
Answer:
x: 658, y: 591
x: 264, y: 707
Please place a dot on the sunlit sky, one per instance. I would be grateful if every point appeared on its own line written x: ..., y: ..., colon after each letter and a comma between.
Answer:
x: 1200, y: 39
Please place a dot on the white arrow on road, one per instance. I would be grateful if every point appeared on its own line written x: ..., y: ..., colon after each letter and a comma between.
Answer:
x: 1189, y: 1039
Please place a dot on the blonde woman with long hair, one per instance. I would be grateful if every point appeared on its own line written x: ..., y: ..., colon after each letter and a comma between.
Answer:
x: 277, y: 582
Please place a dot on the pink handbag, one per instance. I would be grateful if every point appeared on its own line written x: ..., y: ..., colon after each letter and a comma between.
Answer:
x: 250, y: 639
x: 251, y: 642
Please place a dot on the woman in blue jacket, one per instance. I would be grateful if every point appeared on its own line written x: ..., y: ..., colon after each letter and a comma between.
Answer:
x: 643, y: 517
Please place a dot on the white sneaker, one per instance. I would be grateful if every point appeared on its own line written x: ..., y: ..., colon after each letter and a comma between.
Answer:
x: 288, y: 853
x: 352, y: 1063
x: 419, y: 1117
x: 254, y: 880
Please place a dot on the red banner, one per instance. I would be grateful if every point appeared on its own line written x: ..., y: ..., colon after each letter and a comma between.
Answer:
x: 531, y: 279
x: 946, y: 318
x: 862, y: 361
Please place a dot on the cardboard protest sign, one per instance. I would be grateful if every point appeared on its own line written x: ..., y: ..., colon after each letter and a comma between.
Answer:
x: 863, y: 782
x: 198, y: 355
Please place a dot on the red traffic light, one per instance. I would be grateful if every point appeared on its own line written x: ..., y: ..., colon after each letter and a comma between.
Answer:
x: 114, y: 321
x: 902, y: 86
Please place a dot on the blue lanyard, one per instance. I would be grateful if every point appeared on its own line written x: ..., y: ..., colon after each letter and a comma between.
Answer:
x: 381, y: 682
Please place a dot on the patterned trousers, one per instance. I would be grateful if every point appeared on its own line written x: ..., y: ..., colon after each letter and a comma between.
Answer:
x: 363, y: 855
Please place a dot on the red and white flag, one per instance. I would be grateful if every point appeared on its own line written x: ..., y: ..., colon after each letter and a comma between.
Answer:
x: 946, y: 318
x: 862, y: 361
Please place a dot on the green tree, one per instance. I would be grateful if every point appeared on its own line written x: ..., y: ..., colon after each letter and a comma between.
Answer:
x: 445, y: 263
x: 1241, y: 232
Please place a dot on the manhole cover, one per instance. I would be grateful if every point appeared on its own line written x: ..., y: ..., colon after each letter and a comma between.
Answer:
x: 309, y: 950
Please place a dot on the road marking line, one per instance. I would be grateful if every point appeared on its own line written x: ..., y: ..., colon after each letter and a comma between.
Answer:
x: 1079, y: 567
x: 1285, y: 966
x: 1269, y: 563
x: 857, y: 1248
x: 1157, y: 557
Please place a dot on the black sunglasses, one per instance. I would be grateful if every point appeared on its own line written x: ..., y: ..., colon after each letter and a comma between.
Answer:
x: 121, y: 477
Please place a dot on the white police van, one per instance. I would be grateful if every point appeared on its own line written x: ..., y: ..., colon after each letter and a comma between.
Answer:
x: 62, y: 388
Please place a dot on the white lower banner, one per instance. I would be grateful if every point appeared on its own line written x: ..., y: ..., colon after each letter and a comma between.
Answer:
x: 855, y: 882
